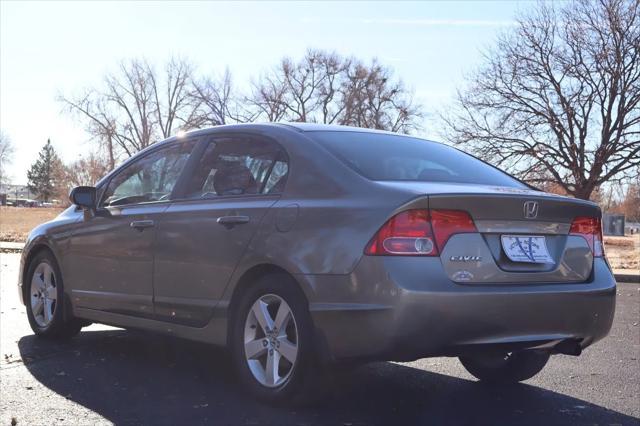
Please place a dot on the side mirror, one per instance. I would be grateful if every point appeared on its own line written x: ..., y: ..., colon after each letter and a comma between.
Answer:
x: 83, y: 196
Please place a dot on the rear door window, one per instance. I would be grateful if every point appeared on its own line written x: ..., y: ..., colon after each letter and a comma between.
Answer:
x: 239, y: 165
x: 379, y: 156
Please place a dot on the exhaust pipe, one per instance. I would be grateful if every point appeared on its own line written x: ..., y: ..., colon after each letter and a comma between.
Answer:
x: 569, y: 347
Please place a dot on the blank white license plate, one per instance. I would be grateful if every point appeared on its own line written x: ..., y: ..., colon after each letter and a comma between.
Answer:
x: 524, y: 248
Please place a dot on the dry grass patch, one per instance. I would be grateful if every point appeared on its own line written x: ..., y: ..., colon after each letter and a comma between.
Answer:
x: 623, y: 252
x: 619, y: 241
x: 16, y: 222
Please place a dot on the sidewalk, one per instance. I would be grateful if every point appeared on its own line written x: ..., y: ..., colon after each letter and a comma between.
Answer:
x: 622, y: 275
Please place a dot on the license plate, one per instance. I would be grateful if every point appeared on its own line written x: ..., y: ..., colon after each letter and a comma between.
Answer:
x: 524, y: 248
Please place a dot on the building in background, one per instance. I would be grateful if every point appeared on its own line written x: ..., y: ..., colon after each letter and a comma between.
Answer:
x: 613, y: 224
x: 17, y: 195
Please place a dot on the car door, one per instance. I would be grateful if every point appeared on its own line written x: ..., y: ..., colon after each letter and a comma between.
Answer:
x: 110, y: 260
x: 202, y: 236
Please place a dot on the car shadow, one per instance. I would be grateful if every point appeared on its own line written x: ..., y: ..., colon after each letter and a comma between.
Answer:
x: 131, y: 377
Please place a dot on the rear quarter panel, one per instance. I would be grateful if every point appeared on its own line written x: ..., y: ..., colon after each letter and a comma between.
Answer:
x: 325, y: 217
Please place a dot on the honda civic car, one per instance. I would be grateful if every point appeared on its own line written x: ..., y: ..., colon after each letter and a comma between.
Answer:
x: 302, y: 246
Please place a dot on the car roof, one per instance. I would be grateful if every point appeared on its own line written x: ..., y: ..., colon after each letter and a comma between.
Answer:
x: 301, y: 127
x: 318, y: 127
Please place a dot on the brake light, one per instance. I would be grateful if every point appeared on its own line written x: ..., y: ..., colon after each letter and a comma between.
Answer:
x: 590, y: 228
x: 449, y: 222
x: 418, y: 232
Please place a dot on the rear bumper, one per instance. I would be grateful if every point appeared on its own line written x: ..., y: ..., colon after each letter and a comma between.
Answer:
x: 407, y: 308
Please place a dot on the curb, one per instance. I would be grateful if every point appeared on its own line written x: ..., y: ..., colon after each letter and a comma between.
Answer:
x: 627, y: 278
x: 10, y: 247
x: 9, y: 250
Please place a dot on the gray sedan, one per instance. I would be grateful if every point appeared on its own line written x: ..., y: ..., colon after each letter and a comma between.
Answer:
x: 301, y: 246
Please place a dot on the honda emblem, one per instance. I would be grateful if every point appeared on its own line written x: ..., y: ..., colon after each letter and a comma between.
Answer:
x: 530, y: 209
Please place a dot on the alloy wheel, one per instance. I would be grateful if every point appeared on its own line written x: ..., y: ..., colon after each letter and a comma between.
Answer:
x: 271, y: 340
x: 43, y: 294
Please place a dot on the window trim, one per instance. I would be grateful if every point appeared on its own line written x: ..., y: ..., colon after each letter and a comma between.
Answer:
x: 135, y: 159
x: 278, y: 157
x: 180, y: 195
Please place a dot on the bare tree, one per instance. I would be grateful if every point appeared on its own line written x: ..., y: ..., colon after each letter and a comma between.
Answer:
x: 327, y: 88
x: 6, y: 155
x: 624, y: 199
x: 373, y: 99
x: 268, y: 97
x: 172, y: 105
x: 630, y: 205
x: 559, y: 97
x: 86, y: 170
x: 302, y: 83
x: 136, y: 106
x: 215, y: 102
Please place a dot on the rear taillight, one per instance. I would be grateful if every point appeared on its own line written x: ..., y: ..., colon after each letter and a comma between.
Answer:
x: 407, y: 233
x: 590, y: 228
x: 449, y: 222
x: 418, y: 232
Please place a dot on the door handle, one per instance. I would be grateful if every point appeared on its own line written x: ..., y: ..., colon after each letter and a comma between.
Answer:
x: 141, y: 224
x: 231, y: 221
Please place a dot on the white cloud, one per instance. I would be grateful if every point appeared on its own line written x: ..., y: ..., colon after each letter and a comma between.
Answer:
x: 440, y: 22
x: 417, y: 22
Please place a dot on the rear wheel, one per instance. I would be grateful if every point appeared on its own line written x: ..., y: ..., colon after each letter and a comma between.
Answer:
x: 272, y: 342
x: 45, y: 299
x: 511, y: 367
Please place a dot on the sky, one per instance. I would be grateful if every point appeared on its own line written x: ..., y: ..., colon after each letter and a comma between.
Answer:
x: 48, y: 48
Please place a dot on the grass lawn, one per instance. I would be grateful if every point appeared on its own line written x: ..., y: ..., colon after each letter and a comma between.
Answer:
x: 16, y: 222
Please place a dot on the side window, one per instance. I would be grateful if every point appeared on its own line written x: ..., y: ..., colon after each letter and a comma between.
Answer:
x: 150, y: 178
x: 238, y: 166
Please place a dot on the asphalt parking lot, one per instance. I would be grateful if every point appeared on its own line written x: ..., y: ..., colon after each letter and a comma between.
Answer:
x: 108, y: 375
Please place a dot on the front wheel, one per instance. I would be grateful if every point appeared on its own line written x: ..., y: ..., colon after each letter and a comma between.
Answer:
x: 511, y: 367
x: 45, y: 300
x: 272, y: 342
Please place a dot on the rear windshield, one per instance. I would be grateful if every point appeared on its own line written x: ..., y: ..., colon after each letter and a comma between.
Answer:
x: 389, y: 157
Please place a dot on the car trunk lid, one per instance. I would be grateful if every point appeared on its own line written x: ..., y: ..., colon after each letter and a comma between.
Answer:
x: 521, y: 217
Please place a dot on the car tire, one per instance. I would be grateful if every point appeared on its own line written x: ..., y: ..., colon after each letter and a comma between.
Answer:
x: 45, y: 300
x: 295, y: 383
x: 506, y: 368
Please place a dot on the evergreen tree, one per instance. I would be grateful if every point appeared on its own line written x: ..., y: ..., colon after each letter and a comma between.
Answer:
x: 44, y: 175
